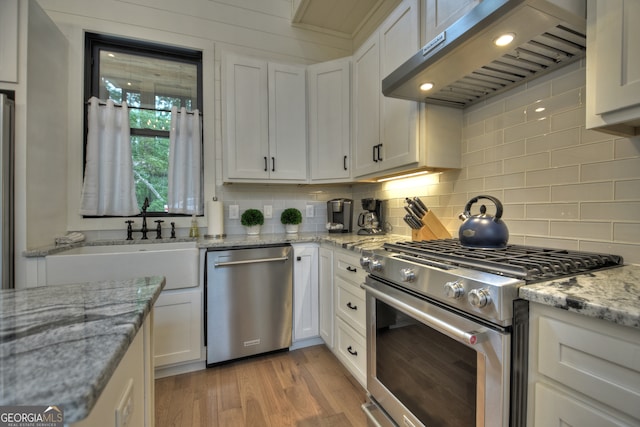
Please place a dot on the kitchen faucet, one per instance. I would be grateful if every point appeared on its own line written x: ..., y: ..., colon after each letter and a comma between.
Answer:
x: 144, y: 228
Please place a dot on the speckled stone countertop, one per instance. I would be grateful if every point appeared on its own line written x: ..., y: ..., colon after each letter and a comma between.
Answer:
x: 61, y: 344
x: 612, y: 294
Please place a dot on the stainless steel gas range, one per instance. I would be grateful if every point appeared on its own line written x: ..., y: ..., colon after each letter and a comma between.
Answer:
x: 447, y: 334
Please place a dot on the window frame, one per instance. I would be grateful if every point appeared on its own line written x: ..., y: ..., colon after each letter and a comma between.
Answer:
x: 94, y: 43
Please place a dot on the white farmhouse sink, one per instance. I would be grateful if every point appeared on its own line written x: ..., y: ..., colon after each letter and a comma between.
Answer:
x: 178, y: 262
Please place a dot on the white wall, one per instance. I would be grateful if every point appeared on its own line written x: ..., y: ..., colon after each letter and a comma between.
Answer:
x: 561, y: 185
x: 254, y: 27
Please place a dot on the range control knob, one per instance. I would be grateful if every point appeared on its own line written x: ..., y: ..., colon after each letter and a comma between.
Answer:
x: 365, y: 261
x: 454, y: 289
x: 375, y: 265
x: 407, y: 275
x: 479, y: 298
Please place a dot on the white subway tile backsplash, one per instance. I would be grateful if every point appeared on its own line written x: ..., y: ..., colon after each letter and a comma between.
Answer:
x: 558, y: 175
x: 627, y: 190
x: 487, y: 140
x: 582, y: 154
x: 529, y: 96
x: 525, y: 163
x: 526, y: 195
x: 508, y: 119
x: 568, y: 119
x: 628, y: 251
x: 513, y: 180
x: 484, y: 169
x: 476, y: 114
x: 505, y: 151
x: 613, y: 170
x: 588, y: 136
x: 581, y: 230
x: 611, y: 211
x: 527, y: 130
x: 582, y: 192
x: 528, y: 227
x: 627, y: 147
x: 568, y: 81
x: 553, y: 211
x: 553, y: 140
x: 626, y: 232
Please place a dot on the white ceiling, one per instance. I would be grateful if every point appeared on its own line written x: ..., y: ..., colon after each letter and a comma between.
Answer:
x: 342, y: 17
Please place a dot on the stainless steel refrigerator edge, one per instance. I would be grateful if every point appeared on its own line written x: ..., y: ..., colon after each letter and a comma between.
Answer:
x: 249, y: 294
x: 6, y: 187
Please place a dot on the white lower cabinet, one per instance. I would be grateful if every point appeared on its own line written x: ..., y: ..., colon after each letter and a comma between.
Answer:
x: 177, y: 327
x: 305, y: 292
x: 349, y: 307
x: 325, y: 293
x: 582, y: 371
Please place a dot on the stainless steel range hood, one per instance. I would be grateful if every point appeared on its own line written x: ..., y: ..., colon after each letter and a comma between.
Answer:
x: 465, y: 66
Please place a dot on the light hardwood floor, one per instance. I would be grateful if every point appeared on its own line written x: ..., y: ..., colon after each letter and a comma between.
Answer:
x: 306, y: 387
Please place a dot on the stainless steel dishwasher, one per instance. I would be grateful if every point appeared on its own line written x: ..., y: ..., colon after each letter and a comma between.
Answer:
x: 249, y: 301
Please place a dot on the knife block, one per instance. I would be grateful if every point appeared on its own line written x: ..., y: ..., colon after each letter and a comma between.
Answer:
x: 432, y: 229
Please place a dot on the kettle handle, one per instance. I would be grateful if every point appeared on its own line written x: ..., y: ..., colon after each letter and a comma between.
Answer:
x: 467, y: 208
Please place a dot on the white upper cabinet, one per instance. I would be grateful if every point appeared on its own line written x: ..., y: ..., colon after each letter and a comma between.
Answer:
x: 329, y: 104
x: 440, y: 14
x: 264, y: 120
x: 613, y: 66
x: 385, y: 129
x: 9, y: 41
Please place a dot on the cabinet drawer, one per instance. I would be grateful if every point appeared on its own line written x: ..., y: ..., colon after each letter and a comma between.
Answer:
x: 350, y: 304
x: 351, y: 348
x: 348, y: 267
x: 600, y: 365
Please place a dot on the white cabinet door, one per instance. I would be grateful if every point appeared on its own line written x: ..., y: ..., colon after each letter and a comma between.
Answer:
x: 264, y: 120
x: 618, y: 65
x: 305, y: 292
x: 366, y: 103
x: 9, y: 41
x: 613, y: 67
x: 287, y: 122
x: 177, y: 327
x: 246, y: 117
x: 326, y: 295
x: 399, y: 40
x: 330, y: 119
x: 385, y: 129
x: 440, y: 14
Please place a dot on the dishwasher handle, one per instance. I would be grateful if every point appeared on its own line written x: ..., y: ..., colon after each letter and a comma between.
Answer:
x: 249, y: 261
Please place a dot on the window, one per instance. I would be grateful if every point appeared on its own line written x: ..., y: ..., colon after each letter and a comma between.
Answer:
x: 151, y: 79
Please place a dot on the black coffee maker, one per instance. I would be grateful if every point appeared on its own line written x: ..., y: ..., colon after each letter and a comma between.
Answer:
x: 370, y: 220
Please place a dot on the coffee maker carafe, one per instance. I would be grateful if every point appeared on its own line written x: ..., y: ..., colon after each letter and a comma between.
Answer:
x: 339, y: 215
x: 370, y: 220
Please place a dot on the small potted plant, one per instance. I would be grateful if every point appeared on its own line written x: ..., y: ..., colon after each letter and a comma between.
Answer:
x: 291, y: 218
x: 252, y: 219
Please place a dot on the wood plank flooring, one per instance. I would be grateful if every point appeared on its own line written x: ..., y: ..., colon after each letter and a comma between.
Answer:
x: 308, y: 387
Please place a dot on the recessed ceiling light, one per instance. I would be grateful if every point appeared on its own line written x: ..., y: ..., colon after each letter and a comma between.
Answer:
x: 426, y: 86
x: 504, y: 39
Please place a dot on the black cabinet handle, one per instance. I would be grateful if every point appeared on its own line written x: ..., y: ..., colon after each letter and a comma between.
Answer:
x: 265, y: 164
x: 273, y: 164
x: 351, y: 306
x: 374, y: 153
x: 299, y: 258
x: 352, y: 269
x: 344, y: 162
x: 379, y: 148
x: 352, y: 351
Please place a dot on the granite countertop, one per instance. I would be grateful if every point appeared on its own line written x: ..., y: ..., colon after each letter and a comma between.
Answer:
x: 61, y: 344
x: 612, y: 294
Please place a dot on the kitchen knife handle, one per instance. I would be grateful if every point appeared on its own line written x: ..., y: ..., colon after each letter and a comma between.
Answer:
x: 421, y: 204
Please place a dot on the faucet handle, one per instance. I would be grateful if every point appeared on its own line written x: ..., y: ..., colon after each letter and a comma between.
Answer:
x: 159, y: 228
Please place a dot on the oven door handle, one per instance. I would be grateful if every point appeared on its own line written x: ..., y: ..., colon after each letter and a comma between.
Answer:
x: 470, y: 338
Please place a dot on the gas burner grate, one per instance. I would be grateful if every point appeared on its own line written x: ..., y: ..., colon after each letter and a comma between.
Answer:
x: 528, y: 263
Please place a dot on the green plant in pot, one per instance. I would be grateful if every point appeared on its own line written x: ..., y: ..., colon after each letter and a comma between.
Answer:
x: 291, y: 218
x: 253, y: 220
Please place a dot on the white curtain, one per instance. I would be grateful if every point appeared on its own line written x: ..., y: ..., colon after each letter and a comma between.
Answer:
x: 109, y: 187
x: 185, y: 163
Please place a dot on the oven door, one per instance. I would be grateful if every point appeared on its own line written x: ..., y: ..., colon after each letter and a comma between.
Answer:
x: 428, y: 366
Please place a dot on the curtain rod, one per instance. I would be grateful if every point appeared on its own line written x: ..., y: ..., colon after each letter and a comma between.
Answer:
x: 142, y: 108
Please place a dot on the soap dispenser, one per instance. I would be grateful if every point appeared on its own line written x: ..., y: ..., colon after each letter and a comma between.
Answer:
x: 194, y: 231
